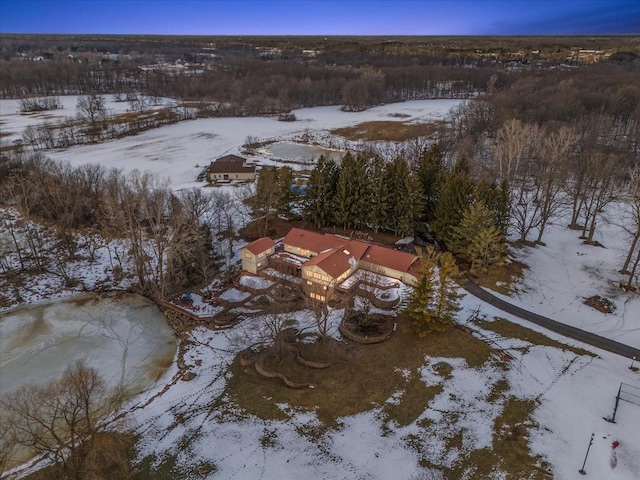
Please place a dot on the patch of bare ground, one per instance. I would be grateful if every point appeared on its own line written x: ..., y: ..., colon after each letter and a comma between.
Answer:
x: 366, y: 376
x: 601, y: 304
x: 501, y: 278
x: 509, y: 329
x: 388, y: 130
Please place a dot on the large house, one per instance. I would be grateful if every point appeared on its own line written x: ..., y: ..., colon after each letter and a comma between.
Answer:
x: 326, y: 261
x: 230, y: 167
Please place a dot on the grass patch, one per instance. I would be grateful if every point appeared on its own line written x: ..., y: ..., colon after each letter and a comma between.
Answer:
x: 370, y: 375
x: 509, y: 329
x: 412, y: 402
x: 510, y: 452
x: 166, y: 468
x: 388, y: 130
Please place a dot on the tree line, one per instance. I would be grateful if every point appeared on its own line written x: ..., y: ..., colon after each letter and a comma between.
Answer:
x: 94, y: 123
x: 164, y: 240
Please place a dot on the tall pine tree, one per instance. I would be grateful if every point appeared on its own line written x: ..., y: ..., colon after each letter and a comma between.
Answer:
x: 434, y: 299
x: 477, y: 239
x: 318, y: 203
x: 401, y: 198
x: 352, y: 194
x: 456, y: 195
x: 431, y: 174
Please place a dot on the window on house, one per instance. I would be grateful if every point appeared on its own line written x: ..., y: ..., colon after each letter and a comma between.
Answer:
x: 259, y: 264
x: 247, y: 255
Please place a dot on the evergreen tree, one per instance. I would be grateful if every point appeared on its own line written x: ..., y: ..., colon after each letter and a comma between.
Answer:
x: 377, y: 191
x: 419, y: 304
x: 456, y: 195
x: 401, y: 199
x: 497, y: 198
x: 447, y: 297
x: 284, y: 178
x: 352, y: 193
x: 318, y: 204
x: 477, y: 239
x: 431, y: 175
x: 434, y: 299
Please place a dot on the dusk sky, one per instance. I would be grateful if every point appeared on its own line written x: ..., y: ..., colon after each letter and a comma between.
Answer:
x: 322, y: 17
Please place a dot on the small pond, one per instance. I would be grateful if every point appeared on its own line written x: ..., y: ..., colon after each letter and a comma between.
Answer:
x: 300, y: 152
x: 124, y: 336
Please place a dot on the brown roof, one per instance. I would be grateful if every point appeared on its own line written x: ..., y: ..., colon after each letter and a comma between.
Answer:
x: 386, y: 257
x: 260, y: 245
x: 230, y: 159
x: 231, y: 164
x: 313, y: 241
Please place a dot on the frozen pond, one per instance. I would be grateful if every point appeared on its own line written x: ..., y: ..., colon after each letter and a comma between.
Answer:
x: 124, y: 336
x: 300, y: 152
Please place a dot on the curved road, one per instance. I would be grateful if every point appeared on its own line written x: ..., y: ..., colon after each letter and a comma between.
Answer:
x: 553, y: 325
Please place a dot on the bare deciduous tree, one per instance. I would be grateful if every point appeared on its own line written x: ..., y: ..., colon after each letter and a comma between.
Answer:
x: 60, y: 420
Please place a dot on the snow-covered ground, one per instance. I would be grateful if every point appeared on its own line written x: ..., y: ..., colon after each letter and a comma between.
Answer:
x: 174, y: 151
x: 572, y: 393
x: 13, y: 122
x: 565, y: 272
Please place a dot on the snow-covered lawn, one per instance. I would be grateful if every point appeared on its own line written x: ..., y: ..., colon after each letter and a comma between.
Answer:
x: 244, y: 446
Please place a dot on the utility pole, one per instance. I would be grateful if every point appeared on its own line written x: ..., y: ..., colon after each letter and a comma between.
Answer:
x: 582, y: 471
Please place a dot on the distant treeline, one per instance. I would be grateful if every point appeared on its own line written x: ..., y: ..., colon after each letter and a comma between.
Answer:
x: 273, y: 75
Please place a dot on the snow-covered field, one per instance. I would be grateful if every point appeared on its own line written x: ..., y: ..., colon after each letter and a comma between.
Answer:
x: 565, y: 272
x: 174, y: 151
x: 13, y: 122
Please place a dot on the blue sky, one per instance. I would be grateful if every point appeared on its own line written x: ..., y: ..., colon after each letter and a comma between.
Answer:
x: 322, y: 17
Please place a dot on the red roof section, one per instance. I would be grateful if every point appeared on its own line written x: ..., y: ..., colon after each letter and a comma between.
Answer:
x: 313, y: 241
x: 336, y: 254
x: 260, y: 245
x: 335, y: 261
x: 386, y: 257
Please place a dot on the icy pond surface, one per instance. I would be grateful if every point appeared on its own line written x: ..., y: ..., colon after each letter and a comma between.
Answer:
x: 300, y: 152
x: 124, y: 336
